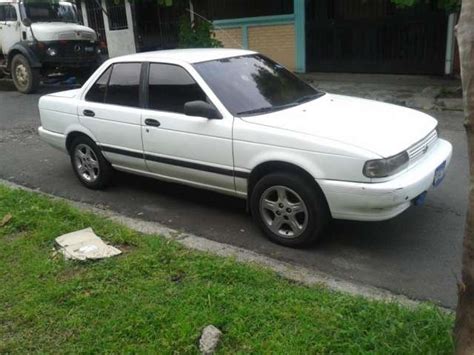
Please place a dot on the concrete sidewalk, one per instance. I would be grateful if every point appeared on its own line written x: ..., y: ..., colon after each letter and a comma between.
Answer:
x: 420, y: 92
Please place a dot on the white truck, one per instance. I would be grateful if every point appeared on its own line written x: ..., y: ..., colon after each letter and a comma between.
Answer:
x: 40, y: 37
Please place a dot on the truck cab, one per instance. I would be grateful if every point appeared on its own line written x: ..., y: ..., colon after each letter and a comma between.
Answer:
x: 41, y: 37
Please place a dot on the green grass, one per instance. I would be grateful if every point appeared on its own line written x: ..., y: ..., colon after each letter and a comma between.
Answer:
x: 158, y: 296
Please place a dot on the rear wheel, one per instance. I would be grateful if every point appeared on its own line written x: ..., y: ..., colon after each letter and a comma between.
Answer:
x: 25, y: 78
x: 89, y: 164
x: 289, y: 210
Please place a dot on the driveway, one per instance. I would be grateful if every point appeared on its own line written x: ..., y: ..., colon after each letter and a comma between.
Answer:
x: 416, y: 254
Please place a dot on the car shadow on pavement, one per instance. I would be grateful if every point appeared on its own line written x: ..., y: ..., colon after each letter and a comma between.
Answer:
x: 190, y: 200
x: 188, y: 194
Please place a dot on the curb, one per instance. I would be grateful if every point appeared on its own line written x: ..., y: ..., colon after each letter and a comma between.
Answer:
x: 289, y: 271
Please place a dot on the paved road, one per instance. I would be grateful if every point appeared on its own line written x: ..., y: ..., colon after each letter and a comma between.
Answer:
x: 416, y: 254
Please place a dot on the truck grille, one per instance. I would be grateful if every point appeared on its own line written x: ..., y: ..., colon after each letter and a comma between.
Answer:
x: 417, y: 150
x: 77, y: 49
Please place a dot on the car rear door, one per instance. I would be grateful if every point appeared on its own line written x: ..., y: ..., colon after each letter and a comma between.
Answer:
x: 184, y: 148
x: 111, y: 111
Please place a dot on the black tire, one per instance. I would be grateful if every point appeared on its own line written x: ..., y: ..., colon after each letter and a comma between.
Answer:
x: 312, y: 220
x: 25, y: 78
x: 97, y: 168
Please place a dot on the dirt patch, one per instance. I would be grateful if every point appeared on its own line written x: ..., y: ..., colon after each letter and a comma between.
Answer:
x: 16, y: 134
x: 14, y: 236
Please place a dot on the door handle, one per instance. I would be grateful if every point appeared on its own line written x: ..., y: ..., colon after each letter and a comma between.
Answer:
x: 152, y: 122
x: 89, y: 113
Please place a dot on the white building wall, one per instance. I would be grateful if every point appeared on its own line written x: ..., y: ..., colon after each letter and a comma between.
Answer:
x: 120, y: 42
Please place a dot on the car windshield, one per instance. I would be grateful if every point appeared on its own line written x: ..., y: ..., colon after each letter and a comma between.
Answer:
x: 254, y: 84
x: 47, y: 11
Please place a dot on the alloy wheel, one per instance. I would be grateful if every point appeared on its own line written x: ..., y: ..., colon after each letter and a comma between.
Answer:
x: 86, y: 163
x: 283, y: 211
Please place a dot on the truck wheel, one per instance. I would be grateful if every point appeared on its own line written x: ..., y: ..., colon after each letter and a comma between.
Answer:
x: 89, y: 164
x: 25, y: 78
x: 288, y: 209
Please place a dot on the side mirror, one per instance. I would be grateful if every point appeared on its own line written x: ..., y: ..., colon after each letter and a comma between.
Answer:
x: 201, y: 109
x: 27, y: 22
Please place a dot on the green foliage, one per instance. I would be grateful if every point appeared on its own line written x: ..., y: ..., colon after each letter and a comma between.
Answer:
x: 197, y: 35
x: 166, y: 3
x: 158, y: 296
x: 448, y: 5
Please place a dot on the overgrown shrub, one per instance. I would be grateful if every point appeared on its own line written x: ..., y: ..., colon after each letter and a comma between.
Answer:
x: 200, y: 34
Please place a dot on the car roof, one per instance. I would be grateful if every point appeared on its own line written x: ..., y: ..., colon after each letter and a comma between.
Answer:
x: 194, y: 55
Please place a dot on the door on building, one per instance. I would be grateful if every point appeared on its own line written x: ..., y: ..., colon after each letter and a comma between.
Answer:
x: 374, y: 36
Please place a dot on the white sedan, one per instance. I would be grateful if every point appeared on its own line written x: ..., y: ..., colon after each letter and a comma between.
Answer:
x: 236, y: 122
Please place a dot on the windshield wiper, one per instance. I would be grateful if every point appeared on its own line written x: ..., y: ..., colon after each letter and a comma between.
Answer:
x: 266, y: 109
x: 309, y: 97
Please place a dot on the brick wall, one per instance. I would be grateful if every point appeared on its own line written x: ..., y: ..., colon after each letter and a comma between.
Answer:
x: 230, y: 37
x: 276, y: 42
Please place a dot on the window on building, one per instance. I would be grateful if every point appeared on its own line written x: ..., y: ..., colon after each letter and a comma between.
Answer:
x: 98, y: 90
x: 170, y: 87
x: 7, y: 13
x: 124, y: 85
x: 117, y: 14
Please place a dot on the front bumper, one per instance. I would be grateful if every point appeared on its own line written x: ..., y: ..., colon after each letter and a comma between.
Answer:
x: 69, y: 54
x: 385, y: 200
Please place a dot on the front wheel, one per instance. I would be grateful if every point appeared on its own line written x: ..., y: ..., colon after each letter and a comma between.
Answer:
x: 25, y: 78
x: 289, y: 209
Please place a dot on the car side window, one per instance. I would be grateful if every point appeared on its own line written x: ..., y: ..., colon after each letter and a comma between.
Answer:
x: 124, y: 85
x: 170, y: 87
x: 10, y: 13
x: 97, y: 92
x: 2, y: 13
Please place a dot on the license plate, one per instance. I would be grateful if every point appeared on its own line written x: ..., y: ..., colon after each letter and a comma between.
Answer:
x: 89, y: 49
x: 439, y: 174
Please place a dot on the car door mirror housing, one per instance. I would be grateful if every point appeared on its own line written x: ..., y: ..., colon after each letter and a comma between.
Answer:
x: 201, y: 109
x: 27, y: 22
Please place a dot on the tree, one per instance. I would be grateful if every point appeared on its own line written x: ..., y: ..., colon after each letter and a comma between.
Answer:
x: 464, y: 325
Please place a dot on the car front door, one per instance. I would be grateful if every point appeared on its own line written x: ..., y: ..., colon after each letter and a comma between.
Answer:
x: 111, y: 110
x: 191, y: 149
x: 9, y: 27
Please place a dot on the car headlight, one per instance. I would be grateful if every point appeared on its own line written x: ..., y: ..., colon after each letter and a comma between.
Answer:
x: 51, y: 52
x: 385, y: 167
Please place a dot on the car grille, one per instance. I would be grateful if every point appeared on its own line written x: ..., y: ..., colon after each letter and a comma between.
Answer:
x: 417, y: 150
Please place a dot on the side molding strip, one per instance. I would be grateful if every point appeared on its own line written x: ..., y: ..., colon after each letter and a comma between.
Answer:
x: 177, y: 162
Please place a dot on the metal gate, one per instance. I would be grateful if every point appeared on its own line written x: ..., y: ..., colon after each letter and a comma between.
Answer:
x: 95, y: 19
x: 374, y: 36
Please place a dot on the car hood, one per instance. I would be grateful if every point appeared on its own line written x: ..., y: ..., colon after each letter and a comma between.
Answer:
x: 381, y: 128
x: 65, y: 31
